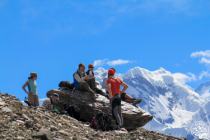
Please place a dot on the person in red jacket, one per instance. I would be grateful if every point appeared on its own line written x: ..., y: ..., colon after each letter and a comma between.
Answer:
x: 124, y: 96
x: 114, y: 85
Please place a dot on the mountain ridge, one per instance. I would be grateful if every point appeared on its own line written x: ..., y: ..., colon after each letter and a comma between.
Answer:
x: 176, y: 107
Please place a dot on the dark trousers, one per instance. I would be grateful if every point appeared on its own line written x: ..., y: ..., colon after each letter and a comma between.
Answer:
x: 116, y: 110
x: 84, y: 86
x: 92, y: 84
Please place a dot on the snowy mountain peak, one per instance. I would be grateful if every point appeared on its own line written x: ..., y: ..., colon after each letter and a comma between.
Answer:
x: 156, y: 77
x: 166, y: 95
x: 204, y: 90
x: 138, y: 71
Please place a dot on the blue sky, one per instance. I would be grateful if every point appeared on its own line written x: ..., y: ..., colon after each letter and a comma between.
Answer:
x: 51, y: 37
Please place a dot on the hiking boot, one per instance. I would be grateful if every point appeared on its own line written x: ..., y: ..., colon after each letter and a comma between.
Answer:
x: 27, y: 102
x: 117, y: 128
x: 137, y: 101
x: 123, y: 129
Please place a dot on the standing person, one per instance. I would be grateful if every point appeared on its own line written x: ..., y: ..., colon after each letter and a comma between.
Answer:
x: 80, y: 79
x: 114, y: 85
x: 104, y: 83
x: 92, y: 81
x: 124, y: 96
x: 32, y: 93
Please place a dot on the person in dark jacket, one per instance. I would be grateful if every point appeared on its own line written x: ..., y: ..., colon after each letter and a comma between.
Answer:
x: 92, y: 81
x: 80, y: 80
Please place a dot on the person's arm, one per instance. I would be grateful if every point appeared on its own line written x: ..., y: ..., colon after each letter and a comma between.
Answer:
x: 24, y: 88
x: 90, y: 74
x: 86, y: 78
x: 109, y: 88
x: 125, y: 87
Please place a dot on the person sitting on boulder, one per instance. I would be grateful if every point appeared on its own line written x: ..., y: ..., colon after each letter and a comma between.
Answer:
x: 80, y: 80
x: 124, y: 96
x: 32, y: 93
x: 114, y: 85
x: 92, y: 81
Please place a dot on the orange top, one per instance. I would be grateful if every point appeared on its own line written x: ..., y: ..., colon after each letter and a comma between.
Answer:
x: 115, y: 85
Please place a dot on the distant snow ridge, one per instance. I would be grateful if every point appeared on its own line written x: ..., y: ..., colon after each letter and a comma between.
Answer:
x: 177, y: 109
x: 204, y: 90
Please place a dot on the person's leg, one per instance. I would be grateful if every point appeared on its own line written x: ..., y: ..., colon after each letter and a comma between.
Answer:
x: 129, y: 99
x: 120, y: 114
x: 89, y: 83
x: 36, y: 100
x: 117, y: 111
x: 98, y: 91
x: 92, y: 83
x: 113, y: 104
x: 85, y: 87
x: 117, y: 115
x: 31, y: 99
x: 125, y: 97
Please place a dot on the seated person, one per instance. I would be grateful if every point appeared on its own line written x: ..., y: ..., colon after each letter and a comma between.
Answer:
x: 92, y: 81
x: 80, y: 80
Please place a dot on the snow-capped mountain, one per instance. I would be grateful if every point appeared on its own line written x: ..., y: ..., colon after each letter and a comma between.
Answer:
x: 177, y: 109
x: 204, y: 90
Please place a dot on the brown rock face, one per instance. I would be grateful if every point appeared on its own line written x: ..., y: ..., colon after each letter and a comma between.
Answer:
x: 133, y: 117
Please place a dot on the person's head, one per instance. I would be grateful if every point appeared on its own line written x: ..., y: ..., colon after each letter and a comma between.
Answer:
x: 113, y: 69
x: 33, y: 76
x: 91, y: 67
x: 111, y: 72
x: 81, y: 67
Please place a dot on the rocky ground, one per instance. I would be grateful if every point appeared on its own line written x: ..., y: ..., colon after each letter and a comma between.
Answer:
x: 18, y: 122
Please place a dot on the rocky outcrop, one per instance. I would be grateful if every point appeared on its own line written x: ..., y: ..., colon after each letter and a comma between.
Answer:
x: 134, y: 117
x: 19, y: 122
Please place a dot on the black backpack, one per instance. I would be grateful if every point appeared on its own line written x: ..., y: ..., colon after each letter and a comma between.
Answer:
x: 102, y: 122
x: 66, y: 84
x: 72, y: 111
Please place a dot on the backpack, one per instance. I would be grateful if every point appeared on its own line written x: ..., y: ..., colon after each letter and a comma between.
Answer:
x: 65, y: 84
x: 101, y: 122
x: 72, y: 111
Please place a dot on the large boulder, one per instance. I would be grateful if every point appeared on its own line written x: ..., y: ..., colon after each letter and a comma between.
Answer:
x: 134, y: 117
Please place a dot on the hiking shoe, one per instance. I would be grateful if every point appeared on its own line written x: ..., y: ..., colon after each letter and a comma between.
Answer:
x: 137, y: 101
x: 123, y: 129
x: 27, y: 102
